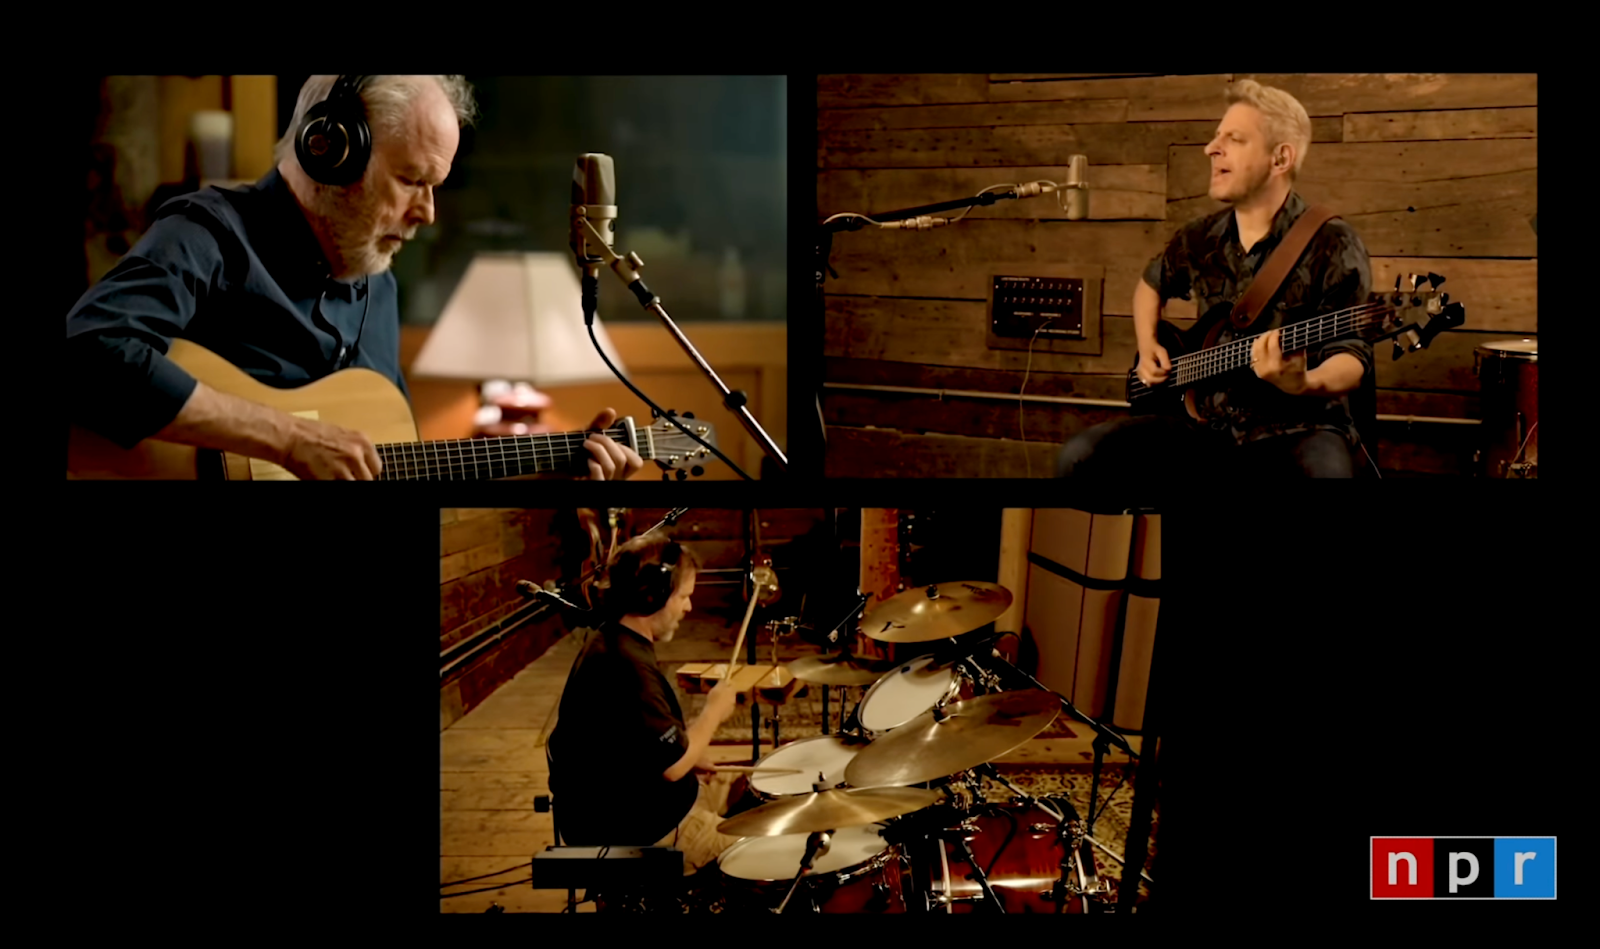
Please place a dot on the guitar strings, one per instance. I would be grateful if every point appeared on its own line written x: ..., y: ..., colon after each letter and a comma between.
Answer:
x: 422, y: 460
x: 1194, y: 366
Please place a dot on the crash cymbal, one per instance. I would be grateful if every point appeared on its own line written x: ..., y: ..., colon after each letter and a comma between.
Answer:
x: 934, y: 612
x: 842, y: 669
x: 827, y: 810
x: 958, y: 737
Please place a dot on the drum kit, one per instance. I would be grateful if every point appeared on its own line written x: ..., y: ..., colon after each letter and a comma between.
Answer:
x: 1508, y: 377
x: 890, y: 815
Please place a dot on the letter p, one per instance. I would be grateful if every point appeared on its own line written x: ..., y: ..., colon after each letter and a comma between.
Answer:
x: 1456, y: 859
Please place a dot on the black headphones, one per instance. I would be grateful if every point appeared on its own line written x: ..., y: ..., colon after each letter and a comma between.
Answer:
x: 334, y: 142
x: 655, y: 582
x: 643, y: 588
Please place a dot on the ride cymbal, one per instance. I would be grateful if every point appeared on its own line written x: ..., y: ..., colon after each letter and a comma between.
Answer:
x: 840, y: 670
x: 827, y: 810
x: 958, y: 737
x: 939, y: 611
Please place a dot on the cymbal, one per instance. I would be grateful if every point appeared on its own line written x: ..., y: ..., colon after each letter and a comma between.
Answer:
x: 827, y: 810
x: 840, y: 670
x: 940, y: 611
x: 958, y: 737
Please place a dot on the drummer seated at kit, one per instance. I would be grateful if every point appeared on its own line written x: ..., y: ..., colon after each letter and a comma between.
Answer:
x: 624, y: 768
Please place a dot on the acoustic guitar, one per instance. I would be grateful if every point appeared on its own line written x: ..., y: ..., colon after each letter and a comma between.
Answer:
x: 1415, y: 311
x: 365, y: 401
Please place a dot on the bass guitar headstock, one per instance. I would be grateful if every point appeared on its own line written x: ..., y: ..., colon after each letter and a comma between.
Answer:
x: 675, y: 451
x: 1416, y: 312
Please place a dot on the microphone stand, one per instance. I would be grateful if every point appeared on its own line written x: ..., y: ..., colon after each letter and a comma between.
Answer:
x: 628, y: 270
x: 671, y: 520
x: 833, y: 637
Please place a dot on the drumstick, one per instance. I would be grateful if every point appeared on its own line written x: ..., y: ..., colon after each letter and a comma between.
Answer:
x: 754, y: 590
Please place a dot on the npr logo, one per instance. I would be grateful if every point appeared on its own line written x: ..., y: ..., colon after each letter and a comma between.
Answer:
x: 1474, y: 868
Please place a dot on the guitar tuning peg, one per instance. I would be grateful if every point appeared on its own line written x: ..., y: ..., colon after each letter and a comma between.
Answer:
x: 683, y: 475
x: 1397, y: 279
x: 1398, y: 352
x: 688, y: 415
x: 697, y: 471
x: 1435, y: 279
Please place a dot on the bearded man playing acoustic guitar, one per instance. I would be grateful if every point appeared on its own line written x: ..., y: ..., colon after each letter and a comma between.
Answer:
x: 286, y: 280
x: 1293, y: 419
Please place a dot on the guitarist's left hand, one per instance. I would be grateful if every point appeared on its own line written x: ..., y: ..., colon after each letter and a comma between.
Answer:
x: 609, y: 460
x: 1266, y: 357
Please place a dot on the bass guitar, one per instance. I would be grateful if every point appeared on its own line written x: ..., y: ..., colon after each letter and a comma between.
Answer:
x: 1415, y: 312
x: 365, y: 401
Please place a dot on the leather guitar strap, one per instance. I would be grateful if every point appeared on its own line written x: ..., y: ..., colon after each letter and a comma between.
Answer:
x: 1285, y: 256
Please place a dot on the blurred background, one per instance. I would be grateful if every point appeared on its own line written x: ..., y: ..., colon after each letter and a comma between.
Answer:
x: 700, y: 167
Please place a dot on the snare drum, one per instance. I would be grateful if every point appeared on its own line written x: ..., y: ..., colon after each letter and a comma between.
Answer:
x: 1508, y: 379
x: 1020, y: 846
x: 910, y: 690
x: 828, y: 755
x: 860, y: 873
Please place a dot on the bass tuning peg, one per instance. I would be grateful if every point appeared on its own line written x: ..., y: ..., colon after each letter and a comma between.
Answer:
x: 1435, y: 279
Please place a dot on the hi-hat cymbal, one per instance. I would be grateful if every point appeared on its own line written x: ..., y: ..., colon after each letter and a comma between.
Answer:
x: 940, y: 611
x: 958, y: 737
x: 827, y: 810
x: 842, y: 669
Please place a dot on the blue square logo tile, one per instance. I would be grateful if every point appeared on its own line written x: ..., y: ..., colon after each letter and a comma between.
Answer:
x: 1525, y: 868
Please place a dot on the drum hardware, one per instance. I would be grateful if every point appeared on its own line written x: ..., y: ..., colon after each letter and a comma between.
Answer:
x: 816, y: 846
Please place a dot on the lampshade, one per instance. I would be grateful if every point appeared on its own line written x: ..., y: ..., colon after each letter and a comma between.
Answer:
x: 516, y: 316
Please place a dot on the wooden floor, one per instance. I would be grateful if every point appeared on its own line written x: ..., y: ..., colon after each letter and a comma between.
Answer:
x: 492, y: 764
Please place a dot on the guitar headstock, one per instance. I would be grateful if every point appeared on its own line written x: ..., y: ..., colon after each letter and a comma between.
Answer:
x: 675, y: 451
x: 1416, y: 312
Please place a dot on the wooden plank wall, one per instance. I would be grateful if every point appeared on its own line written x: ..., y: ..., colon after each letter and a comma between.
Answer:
x: 1436, y: 172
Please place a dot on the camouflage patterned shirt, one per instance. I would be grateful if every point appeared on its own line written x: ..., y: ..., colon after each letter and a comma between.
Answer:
x: 1206, y: 261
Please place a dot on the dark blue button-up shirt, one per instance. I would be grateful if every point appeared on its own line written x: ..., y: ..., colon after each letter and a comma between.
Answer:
x: 240, y: 273
x: 1206, y: 261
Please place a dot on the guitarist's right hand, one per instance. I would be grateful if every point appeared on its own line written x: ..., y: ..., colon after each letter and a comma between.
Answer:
x: 1154, y: 364
x: 322, y: 452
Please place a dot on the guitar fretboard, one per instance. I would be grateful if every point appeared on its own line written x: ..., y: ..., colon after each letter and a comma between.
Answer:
x: 476, y: 459
x: 1233, y: 355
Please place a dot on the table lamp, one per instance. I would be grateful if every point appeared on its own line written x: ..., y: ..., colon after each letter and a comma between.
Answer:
x: 514, y: 324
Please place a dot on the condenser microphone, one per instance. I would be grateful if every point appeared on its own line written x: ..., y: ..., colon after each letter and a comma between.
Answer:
x: 1077, y: 188
x: 594, y: 196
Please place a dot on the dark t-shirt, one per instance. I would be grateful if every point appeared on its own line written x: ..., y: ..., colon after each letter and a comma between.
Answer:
x: 619, y: 727
x: 239, y: 272
x: 1206, y: 261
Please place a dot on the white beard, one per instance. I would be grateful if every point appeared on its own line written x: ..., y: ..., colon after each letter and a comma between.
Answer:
x: 351, y: 227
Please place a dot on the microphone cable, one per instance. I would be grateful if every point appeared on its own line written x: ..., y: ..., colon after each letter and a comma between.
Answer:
x: 590, y: 301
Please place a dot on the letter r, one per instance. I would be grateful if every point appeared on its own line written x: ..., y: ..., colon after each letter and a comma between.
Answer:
x: 1521, y: 859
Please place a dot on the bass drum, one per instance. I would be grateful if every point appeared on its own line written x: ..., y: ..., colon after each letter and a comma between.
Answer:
x: 1020, y: 847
